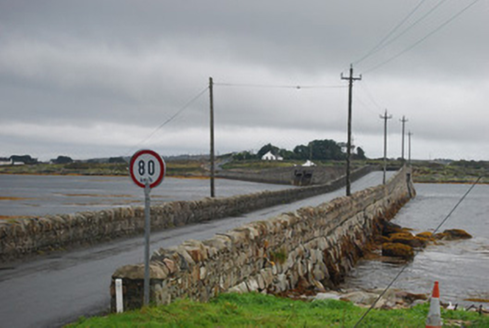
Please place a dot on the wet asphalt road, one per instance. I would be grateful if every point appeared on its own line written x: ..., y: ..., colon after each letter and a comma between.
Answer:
x: 58, y: 289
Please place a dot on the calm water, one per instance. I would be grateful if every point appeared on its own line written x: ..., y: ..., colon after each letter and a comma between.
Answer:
x: 33, y: 195
x: 461, y: 267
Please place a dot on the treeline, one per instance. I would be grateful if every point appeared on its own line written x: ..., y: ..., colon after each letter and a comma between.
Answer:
x: 315, y: 150
x: 27, y: 159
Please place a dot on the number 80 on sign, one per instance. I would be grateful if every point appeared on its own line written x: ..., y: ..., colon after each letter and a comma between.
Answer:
x: 147, y: 167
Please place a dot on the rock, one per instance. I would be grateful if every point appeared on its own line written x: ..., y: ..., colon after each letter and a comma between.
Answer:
x: 411, y: 298
x: 137, y: 271
x: 389, y: 228
x: 426, y: 235
x: 453, y: 234
x: 360, y: 297
x: 327, y: 296
x: 408, y: 239
x: 405, y: 252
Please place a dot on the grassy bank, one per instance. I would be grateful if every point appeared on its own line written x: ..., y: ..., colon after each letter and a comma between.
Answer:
x: 174, y: 168
x: 257, y: 310
x: 457, y: 172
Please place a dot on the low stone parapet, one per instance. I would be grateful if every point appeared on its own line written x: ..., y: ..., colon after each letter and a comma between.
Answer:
x: 311, y: 247
x: 20, y: 238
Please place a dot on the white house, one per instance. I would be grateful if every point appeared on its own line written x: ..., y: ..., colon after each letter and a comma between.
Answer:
x: 309, y: 163
x: 271, y: 157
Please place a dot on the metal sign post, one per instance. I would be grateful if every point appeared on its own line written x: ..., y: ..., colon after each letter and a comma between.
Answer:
x: 147, y: 233
x: 147, y: 170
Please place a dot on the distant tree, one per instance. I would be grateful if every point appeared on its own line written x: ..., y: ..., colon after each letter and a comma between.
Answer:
x: 116, y: 160
x: 286, y: 154
x: 360, y: 154
x: 243, y: 156
x: 325, y: 150
x: 301, y: 152
x: 265, y: 149
x: 26, y: 159
x: 62, y: 160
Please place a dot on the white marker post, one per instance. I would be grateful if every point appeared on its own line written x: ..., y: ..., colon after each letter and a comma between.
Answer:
x: 147, y: 170
x: 118, y: 296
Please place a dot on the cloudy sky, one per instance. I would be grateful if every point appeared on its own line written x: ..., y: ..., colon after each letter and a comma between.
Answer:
x: 105, y: 78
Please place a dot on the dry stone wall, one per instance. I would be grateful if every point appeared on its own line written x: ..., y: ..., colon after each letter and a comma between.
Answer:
x: 309, y: 247
x: 26, y: 237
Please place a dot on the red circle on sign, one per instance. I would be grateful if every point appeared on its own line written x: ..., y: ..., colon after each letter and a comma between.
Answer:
x: 142, y: 156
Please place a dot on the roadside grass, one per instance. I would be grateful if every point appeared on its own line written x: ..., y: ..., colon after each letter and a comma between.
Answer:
x: 258, y: 310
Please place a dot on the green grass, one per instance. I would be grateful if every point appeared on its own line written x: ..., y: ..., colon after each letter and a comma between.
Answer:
x: 257, y: 310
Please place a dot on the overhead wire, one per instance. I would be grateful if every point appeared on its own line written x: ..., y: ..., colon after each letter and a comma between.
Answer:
x: 412, y: 25
x: 272, y: 86
x: 171, y: 118
x: 407, y: 264
x: 452, y: 18
x: 380, y: 45
x: 370, y: 96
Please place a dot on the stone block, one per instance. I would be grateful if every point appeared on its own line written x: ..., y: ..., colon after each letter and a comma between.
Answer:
x: 252, y: 285
x: 196, y: 250
x: 136, y: 272
x: 240, y: 288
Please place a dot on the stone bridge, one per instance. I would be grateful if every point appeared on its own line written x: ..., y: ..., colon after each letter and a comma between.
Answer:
x: 311, y: 247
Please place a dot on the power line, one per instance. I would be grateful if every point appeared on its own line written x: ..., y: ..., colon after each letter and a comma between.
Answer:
x: 178, y: 112
x: 413, y: 24
x: 366, y: 106
x: 370, y: 96
x: 423, y: 38
x: 380, y: 45
x: 247, y: 85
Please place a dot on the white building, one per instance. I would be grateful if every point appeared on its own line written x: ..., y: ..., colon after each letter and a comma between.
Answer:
x: 309, y: 163
x: 271, y: 157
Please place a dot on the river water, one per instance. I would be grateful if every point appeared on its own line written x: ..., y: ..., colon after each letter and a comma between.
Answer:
x: 461, y: 267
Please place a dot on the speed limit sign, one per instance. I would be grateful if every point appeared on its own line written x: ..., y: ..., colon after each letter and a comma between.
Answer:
x: 147, y: 167
x: 147, y: 170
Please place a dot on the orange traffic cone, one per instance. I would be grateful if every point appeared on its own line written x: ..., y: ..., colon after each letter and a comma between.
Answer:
x: 434, y: 316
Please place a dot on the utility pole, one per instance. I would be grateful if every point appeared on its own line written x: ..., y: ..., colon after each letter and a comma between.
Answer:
x: 409, y: 144
x: 385, y: 118
x: 348, y: 144
x: 211, y: 96
x: 403, y: 121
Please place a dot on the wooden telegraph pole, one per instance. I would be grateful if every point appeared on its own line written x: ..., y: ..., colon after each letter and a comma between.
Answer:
x: 385, y: 118
x: 403, y: 121
x: 211, y: 99
x: 409, y: 147
x: 348, y: 145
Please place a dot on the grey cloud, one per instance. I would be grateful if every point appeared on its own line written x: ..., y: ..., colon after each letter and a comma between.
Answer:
x: 134, y: 64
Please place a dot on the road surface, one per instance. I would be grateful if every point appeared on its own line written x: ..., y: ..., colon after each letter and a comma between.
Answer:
x: 55, y: 290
